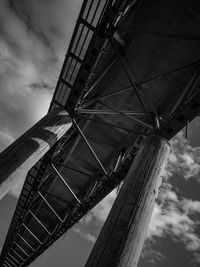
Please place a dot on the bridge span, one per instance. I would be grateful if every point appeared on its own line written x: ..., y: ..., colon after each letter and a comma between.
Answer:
x: 131, y: 72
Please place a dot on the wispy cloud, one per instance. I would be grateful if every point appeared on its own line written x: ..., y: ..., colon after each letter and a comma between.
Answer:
x: 101, y: 211
x: 175, y: 217
x: 34, y: 36
x: 151, y: 255
x: 89, y: 237
x: 184, y: 159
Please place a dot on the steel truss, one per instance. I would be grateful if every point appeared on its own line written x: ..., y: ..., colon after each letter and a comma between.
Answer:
x: 147, y: 120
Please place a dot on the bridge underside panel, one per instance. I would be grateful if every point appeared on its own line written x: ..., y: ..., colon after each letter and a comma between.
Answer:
x: 132, y: 69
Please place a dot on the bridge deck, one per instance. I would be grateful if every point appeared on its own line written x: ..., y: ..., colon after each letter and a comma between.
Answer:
x: 132, y: 69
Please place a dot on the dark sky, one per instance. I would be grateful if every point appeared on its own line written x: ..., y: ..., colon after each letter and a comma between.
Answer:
x: 34, y: 35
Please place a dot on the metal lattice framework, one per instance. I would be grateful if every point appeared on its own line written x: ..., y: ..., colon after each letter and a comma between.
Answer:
x: 129, y: 72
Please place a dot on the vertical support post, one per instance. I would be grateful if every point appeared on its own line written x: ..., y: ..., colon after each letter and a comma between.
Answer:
x: 121, y: 239
x: 26, y: 151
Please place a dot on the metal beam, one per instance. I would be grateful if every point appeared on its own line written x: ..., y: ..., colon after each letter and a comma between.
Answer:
x: 159, y: 76
x: 11, y: 261
x: 118, y: 162
x: 55, y: 198
x: 6, y: 264
x: 70, y: 168
x: 21, y: 249
x: 95, y: 99
x: 129, y: 116
x: 52, y: 209
x: 130, y: 76
x: 83, y: 43
x: 44, y: 227
x: 26, y: 242
x: 108, y: 112
x: 18, y: 255
x: 31, y: 233
x: 66, y: 184
x: 13, y: 258
x: 90, y: 148
x: 112, y: 125
x: 99, y: 79
x: 88, y: 25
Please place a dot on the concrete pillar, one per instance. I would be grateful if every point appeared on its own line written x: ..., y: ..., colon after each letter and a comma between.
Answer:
x: 21, y: 156
x: 121, y: 239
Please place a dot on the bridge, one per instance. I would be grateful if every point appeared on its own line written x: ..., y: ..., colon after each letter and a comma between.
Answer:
x: 131, y: 72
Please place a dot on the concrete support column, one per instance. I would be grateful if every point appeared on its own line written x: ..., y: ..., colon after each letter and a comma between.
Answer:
x: 121, y: 239
x: 24, y: 153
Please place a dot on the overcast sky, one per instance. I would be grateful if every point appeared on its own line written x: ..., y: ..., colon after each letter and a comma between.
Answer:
x: 34, y: 35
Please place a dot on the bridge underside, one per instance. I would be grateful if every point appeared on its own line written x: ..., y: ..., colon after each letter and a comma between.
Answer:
x: 132, y: 70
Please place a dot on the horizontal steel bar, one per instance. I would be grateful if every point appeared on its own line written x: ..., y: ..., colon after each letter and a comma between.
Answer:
x: 70, y: 168
x: 75, y: 57
x: 52, y: 209
x: 13, y: 258
x: 26, y: 242
x: 108, y: 112
x: 130, y: 76
x: 90, y: 148
x: 130, y: 117
x: 161, y: 75
x: 95, y: 99
x: 32, y: 233
x: 66, y: 184
x: 88, y: 25
x: 66, y: 83
x: 111, y: 125
x: 21, y: 249
x: 100, y: 77
x: 44, y: 227
x: 55, y: 197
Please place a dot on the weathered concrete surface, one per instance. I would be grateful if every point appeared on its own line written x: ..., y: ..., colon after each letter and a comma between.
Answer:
x: 121, y: 239
x: 21, y: 156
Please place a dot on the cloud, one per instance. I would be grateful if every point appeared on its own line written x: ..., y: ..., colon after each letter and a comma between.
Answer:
x: 5, y: 140
x: 151, y: 255
x: 89, y: 237
x: 101, y: 211
x: 174, y: 217
x: 184, y: 159
x: 34, y: 36
x: 23, y: 58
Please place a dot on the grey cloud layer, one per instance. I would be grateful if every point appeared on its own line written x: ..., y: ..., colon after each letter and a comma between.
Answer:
x: 33, y: 39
